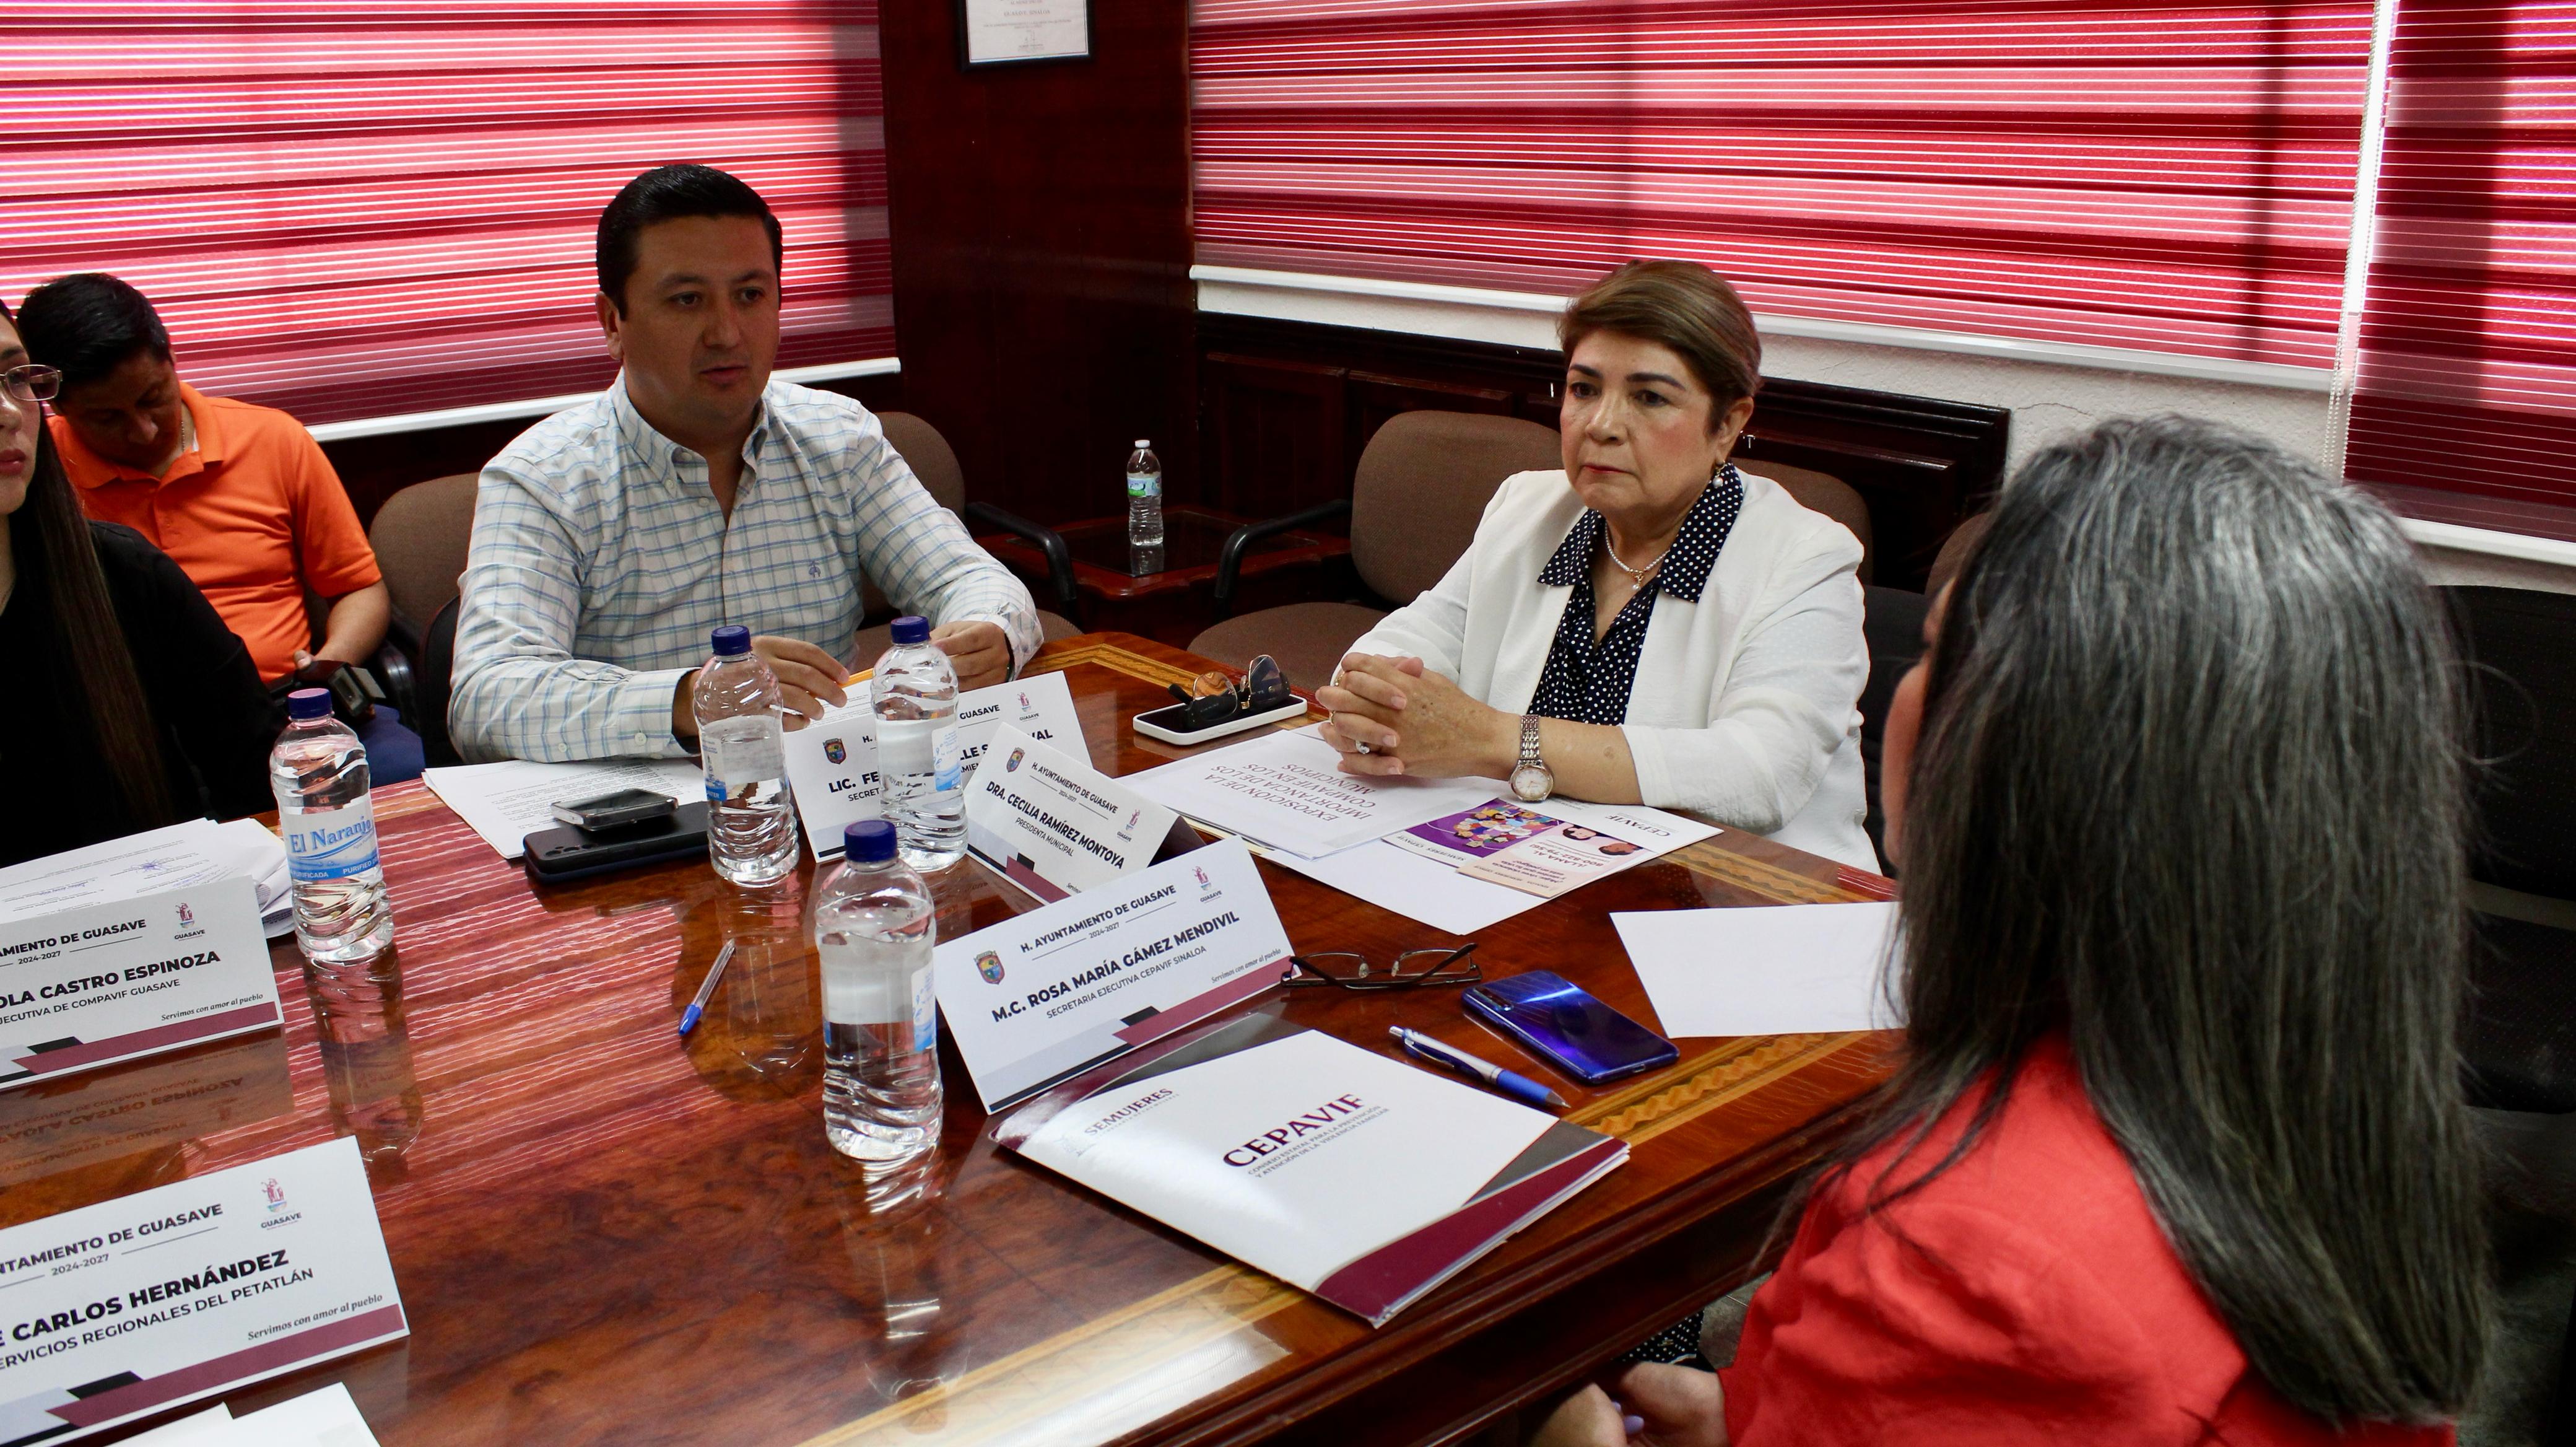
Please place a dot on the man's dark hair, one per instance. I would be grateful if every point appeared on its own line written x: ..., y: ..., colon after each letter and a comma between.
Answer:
x: 87, y: 324
x: 667, y: 193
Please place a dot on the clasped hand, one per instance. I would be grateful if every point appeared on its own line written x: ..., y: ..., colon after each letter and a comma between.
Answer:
x: 1413, y: 721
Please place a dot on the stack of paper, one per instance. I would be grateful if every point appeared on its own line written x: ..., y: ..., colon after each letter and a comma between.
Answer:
x: 1448, y: 852
x: 1779, y: 970
x: 326, y: 1417
x: 196, y: 852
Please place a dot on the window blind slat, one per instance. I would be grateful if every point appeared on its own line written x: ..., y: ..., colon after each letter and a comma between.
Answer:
x: 2175, y: 177
x: 2467, y: 375
x: 354, y: 210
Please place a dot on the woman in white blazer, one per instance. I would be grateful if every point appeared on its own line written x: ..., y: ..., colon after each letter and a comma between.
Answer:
x: 1649, y: 625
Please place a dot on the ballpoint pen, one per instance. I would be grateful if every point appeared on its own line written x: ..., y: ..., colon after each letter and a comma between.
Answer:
x: 1519, y: 1087
x: 715, y: 972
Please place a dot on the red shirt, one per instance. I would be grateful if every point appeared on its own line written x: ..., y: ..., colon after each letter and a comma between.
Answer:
x: 2045, y: 1307
x: 254, y: 516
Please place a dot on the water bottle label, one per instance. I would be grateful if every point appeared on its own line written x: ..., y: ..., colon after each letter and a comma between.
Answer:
x: 925, y: 1012
x: 741, y: 751
x: 330, y: 843
x: 1144, y: 484
x: 947, y: 760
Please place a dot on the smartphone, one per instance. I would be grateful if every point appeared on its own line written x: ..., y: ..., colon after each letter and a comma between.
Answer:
x: 1578, y: 1034
x: 615, y: 811
x: 556, y: 856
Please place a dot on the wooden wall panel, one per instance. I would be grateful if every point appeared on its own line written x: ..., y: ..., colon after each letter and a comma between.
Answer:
x: 1040, y: 213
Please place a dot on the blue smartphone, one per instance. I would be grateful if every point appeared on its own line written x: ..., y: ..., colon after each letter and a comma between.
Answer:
x: 1577, y: 1033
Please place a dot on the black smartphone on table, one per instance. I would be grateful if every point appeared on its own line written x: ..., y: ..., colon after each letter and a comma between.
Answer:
x: 615, y: 811
x: 557, y: 856
x: 1555, y: 1018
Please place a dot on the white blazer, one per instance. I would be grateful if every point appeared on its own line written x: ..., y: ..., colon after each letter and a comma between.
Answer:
x: 1743, y: 710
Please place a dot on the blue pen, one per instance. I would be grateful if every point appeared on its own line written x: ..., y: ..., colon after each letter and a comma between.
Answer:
x: 1518, y: 1087
x: 715, y: 972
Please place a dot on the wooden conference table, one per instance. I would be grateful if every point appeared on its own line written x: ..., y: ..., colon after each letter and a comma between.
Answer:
x: 603, y: 1234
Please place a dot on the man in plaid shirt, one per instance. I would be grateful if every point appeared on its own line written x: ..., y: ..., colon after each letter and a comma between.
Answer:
x: 611, y: 537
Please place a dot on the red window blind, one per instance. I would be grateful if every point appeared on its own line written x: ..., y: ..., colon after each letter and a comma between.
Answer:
x: 360, y: 209
x: 2174, y: 177
x: 2467, y: 369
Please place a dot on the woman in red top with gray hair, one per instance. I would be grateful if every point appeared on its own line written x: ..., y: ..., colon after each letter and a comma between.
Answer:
x: 2177, y: 1152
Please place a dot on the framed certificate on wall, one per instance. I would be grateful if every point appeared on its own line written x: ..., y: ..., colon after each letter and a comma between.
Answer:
x: 1014, y: 32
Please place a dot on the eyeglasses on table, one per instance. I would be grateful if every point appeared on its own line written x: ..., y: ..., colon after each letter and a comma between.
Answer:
x: 1410, y: 970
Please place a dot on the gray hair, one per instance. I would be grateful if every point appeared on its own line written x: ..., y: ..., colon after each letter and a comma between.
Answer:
x: 2191, y: 788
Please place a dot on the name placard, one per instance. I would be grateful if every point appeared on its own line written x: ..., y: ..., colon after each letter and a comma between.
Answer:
x: 1054, y: 825
x: 136, y: 1305
x: 1041, y: 995
x: 832, y: 762
x: 100, y: 983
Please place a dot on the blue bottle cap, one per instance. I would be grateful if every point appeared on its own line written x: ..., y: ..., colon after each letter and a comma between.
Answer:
x: 870, y: 841
x: 909, y: 630
x: 730, y: 640
x: 306, y: 703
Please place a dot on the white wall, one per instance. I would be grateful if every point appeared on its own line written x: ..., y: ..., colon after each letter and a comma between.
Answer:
x: 2052, y: 390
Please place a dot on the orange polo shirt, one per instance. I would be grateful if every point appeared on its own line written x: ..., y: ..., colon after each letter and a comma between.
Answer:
x: 254, y: 515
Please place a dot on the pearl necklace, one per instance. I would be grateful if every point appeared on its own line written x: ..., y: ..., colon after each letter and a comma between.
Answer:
x: 1636, y: 576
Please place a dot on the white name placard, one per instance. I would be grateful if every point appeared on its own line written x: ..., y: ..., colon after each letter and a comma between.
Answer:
x: 133, y: 1306
x: 832, y: 762
x: 99, y: 983
x: 1054, y: 825
x: 1038, y: 996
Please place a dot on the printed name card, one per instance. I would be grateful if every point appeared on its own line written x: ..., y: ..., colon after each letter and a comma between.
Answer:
x: 832, y: 762
x: 1054, y: 825
x: 1044, y: 994
x: 133, y: 1306
x: 95, y: 984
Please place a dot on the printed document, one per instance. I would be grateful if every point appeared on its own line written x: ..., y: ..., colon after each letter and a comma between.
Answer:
x: 1324, y: 1164
x: 1286, y: 792
x: 1464, y: 872
x: 508, y: 801
x: 1783, y: 969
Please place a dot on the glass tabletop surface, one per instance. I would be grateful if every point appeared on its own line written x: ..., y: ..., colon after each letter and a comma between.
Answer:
x: 1191, y: 539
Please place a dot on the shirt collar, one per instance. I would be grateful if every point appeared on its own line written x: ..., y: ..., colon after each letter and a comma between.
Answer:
x: 640, y: 438
x: 87, y: 469
x: 1695, y: 548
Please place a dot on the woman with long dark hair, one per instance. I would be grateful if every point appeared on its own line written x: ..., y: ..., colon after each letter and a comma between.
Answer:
x: 129, y: 704
x: 2177, y: 1152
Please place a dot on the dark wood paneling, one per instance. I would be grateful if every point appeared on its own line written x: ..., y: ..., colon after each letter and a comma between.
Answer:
x: 375, y: 468
x: 1920, y: 463
x: 1275, y: 432
x: 1040, y: 219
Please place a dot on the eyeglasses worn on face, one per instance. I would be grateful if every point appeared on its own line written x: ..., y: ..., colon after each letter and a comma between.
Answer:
x: 1411, y: 969
x: 32, y: 383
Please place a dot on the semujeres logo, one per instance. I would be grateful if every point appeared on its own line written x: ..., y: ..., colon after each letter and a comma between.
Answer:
x: 1012, y: 764
x: 836, y: 751
x: 989, y: 965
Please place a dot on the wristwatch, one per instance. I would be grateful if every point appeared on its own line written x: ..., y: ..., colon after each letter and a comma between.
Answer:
x: 1531, y: 780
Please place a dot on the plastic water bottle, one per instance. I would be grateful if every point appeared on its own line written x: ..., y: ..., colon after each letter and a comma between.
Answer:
x: 751, y: 816
x: 1144, y: 497
x: 319, y: 773
x: 874, y: 925
x: 918, y: 750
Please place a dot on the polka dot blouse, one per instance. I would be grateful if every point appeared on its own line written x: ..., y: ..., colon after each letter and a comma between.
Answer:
x: 1587, y: 682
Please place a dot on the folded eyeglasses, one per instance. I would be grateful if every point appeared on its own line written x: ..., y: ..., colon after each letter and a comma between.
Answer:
x: 1212, y: 697
x: 1409, y: 970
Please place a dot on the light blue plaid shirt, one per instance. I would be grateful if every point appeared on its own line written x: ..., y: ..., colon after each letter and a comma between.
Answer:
x: 600, y: 562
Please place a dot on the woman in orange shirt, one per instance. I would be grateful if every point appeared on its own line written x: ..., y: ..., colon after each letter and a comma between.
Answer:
x: 2177, y: 1152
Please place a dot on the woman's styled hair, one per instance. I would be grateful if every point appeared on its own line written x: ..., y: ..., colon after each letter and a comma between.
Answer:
x: 2191, y: 787
x: 80, y: 642
x: 1678, y: 304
